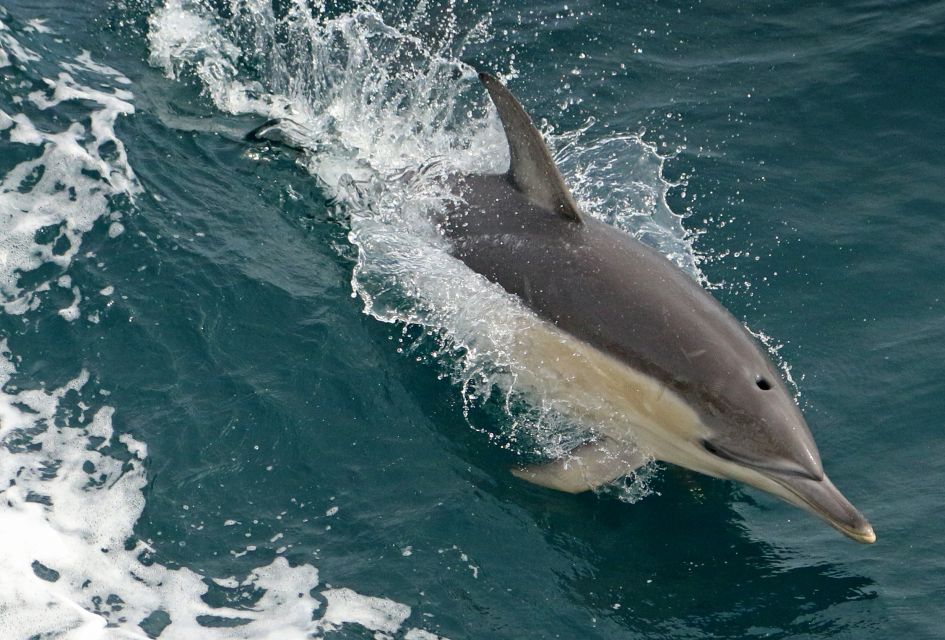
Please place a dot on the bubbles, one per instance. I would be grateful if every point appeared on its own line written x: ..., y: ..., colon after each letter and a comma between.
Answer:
x: 619, y: 179
x: 634, y: 487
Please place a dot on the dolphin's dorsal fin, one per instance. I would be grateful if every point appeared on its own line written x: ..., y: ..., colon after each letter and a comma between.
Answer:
x: 532, y: 169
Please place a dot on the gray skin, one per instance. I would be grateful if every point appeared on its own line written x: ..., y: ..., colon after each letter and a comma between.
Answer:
x: 600, y: 285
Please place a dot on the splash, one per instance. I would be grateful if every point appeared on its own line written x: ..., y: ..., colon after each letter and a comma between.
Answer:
x: 386, y: 110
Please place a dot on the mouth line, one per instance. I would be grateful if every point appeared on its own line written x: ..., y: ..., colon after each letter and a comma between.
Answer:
x: 866, y: 536
x: 786, y: 478
x: 766, y: 470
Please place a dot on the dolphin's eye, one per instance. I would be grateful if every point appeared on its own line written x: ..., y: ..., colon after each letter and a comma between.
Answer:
x: 763, y: 383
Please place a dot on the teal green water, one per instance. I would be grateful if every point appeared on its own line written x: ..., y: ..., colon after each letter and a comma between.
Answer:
x: 804, y: 143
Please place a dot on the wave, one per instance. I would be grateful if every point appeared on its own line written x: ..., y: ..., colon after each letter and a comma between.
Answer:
x: 73, y: 489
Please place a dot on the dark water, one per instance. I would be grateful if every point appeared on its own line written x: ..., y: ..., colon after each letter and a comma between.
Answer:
x: 286, y: 429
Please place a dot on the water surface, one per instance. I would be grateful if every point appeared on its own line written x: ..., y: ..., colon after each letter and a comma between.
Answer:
x: 247, y: 394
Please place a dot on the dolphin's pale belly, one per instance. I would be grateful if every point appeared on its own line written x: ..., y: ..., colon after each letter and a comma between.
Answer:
x: 605, y: 394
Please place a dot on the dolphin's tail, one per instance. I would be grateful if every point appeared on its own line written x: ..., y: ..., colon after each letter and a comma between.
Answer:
x: 284, y: 132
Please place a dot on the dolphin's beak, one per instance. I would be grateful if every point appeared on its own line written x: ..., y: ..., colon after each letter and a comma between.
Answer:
x: 823, y: 499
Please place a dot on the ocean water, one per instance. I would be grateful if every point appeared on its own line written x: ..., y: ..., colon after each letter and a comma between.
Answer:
x: 246, y: 393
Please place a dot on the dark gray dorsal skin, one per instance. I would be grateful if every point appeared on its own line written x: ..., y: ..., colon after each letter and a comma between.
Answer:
x: 523, y: 231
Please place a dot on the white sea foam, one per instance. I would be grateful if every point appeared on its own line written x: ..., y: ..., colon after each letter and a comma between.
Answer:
x: 11, y: 51
x: 71, y: 488
x: 66, y: 189
x: 376, y: 614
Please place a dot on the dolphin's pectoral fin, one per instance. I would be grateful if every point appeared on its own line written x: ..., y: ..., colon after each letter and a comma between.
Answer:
x: 532, y: 168
x: 589, y: 466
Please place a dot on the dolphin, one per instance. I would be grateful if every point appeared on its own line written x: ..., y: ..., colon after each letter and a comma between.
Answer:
x: 699, y: 391
x: 628, y: 334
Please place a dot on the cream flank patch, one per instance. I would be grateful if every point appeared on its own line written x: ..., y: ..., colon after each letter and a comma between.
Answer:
x: 623, y: 404
x: 604, y: 394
